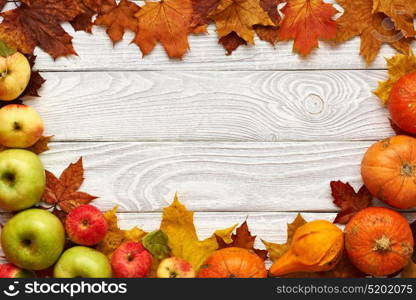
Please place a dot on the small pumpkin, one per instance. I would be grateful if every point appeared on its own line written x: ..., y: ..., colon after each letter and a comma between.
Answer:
x: 378, y: 241
x: 233, y: 262
x: 316, y: 246
x: 388, y: 170
x: 402, y: 103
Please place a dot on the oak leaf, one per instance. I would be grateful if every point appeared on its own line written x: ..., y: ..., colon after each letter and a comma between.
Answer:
x: 167, y: 22
x: 178, y: 224
x: 306, y: 21
x: 242, y: 239
x: 63, y: 191
x: 402, y: 13
x: 38, y: 23
x: 375, y: 29
x: 116, y: 236
x: 118, y: 18
x: 398, y: 66
x: 239, y: 16
x: 349, y: 201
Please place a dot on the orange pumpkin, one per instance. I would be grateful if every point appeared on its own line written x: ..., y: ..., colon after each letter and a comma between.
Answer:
x: 233, y: 263
x: 402, y: 103
x: 378, y: 241
x: 389, y: 171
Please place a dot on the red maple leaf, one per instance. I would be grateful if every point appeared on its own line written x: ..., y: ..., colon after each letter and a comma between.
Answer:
x: 349, y: 201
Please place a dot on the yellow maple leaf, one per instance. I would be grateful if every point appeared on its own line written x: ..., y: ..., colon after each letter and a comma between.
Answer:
x: 178, y: 225
x: 359, y: 20
x: 398, y: 66
x: 240, y: 16
x: 116, y: 236
x: 402, y: 12
x: 277, y: 250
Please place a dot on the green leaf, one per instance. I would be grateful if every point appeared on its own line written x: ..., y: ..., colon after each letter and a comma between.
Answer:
x: 6, y: 50
x: 156, y: 242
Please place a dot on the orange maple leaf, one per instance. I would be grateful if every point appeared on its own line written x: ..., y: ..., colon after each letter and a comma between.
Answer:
x: 63, y: 191
x: 239, y: 16
x: 375, y: 29
x: 306, y: 21
x: 201, y: 10
x: 118, y: 18
x: 167, y: 22
x: 38, y: 23
x: 83, y: 22
x: 402, y: 12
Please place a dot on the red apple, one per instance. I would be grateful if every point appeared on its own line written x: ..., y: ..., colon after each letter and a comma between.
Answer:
x: 131, y: 260
x: 21, y: 126
x: 175, y: 267
x: 11, y: 271
x: 86, y: 225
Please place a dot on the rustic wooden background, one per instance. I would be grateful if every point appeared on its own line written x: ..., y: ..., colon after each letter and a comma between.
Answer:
x: 256, y: 135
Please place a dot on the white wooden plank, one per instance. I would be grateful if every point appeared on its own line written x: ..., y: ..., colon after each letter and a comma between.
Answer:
x: 213, y: 106
x: 213, y: 176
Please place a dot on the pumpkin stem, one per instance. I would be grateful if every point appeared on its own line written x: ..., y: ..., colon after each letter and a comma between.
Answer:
x: 407, y: 170
x: 382, y: 244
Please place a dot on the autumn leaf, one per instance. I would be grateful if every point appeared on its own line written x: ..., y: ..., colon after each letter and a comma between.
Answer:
x: 402, y: 12
x: 306, y: 21
x: 63, y: 191
x: 116, y: 236
x: 5, y: 50
x: 231, y: 42
x: 156, y: 242
x: 242, y: 239
x: 39, y: 147
x: 38, y: 23
x: 375, y: 29
x: 277, y: 250
x: 178, y: 225
x: 118, y: 18
x: 239, y: 17
x: 270, y: 33
x: 409, y: 271
x: 201, y: 11
x: 348, y: 200
x: 2, y: 4
x: 167, y: 22
x: 36, y: 80
x: 398, y: 66
x: 83, y: 21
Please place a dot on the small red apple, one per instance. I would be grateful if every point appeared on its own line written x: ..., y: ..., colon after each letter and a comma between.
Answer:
x: 131, y: 260
x: 11, y: 271
x: 86, y: 225
x: 175, y: 267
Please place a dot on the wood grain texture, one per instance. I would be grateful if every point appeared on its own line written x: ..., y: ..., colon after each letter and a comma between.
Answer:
x: 212, y: 176
x: 213, y: 106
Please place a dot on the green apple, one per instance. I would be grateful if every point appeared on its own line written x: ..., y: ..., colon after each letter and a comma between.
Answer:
x: 15, y: 74
x: 82, y: 262
x: 21, y: 126
x: 33, y: 239
x: 22, y: 179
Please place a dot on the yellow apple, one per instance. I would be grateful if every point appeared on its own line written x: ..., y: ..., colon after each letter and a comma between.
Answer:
x: 21, y: 126
x: 175, y: 267
x: 14, y: 76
